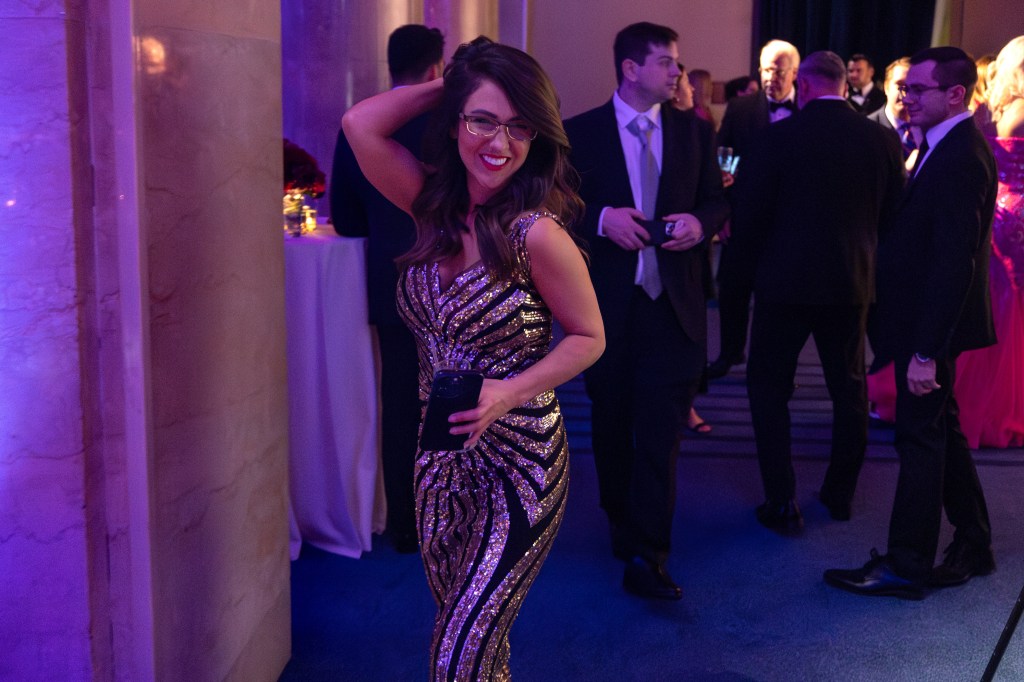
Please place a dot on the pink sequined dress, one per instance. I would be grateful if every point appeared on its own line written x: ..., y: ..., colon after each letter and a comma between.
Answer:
x: 990, y: 381
x: 486, y: 517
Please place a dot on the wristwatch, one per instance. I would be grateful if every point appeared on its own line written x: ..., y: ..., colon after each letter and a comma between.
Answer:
x: 922, y: 359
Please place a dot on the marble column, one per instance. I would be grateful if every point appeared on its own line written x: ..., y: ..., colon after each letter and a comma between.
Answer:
x: 334, y: 53
x: 143, y: 411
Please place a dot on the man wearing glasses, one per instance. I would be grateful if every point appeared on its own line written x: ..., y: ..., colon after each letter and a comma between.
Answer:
x: 933, y: 302
x: 744, y: 122
x: 642, y: 160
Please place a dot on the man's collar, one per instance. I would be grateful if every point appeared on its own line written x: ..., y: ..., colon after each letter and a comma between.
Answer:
x: 791, y: 97
x: 939, y: 130
x: 624, y: 113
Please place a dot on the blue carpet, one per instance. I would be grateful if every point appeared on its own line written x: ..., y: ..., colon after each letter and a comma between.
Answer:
x: 754, y: 607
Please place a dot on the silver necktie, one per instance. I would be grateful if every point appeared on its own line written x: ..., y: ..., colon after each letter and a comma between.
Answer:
x: 650, y: 280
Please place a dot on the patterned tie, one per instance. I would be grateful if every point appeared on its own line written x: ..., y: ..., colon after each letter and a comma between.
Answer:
x: 906, y: 138
x: 650, y: 280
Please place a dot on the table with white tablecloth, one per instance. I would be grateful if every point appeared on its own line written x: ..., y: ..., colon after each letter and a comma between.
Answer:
x: 337, y: 489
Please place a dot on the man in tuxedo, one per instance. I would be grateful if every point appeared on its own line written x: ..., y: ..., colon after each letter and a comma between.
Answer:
x: 863, y: 94
x: 746, y: 120
x: 359, y: 210
x: 807, y: 204
x: 893, y: 116
x: 641, y: 159
x: 933, y: 303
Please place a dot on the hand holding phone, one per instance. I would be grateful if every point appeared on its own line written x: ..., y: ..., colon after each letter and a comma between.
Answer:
x: 451, y: 391
x: 660, y: 231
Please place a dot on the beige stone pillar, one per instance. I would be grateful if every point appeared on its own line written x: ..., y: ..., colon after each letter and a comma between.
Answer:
x: 143, y: 423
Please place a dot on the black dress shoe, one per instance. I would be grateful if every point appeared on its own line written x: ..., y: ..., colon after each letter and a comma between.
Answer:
x: 782, y: 517
x: 838, y: 509
x: 963, y: 561
x: 720, y: 367
x: 648, y: 579
x: 875, y: 579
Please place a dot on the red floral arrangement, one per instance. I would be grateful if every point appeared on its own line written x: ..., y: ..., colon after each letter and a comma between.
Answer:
x: 301, y: 172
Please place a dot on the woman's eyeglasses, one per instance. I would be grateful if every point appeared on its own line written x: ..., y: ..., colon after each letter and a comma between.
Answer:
x: 488, y: 127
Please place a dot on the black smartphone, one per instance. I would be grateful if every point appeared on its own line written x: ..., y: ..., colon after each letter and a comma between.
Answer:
x: 660, y: 231
x: 452, y: 390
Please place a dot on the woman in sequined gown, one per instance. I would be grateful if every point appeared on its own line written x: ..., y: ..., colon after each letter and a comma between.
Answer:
x: 989, y: 384
x: 990, y: 381
x: 493, y: 264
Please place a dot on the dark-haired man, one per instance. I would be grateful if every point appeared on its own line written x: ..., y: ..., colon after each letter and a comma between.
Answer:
x: 807, y: 205
x: 933, y: 303
x: 862, y: 93
x: 359, y: 210
x: 641, y: 159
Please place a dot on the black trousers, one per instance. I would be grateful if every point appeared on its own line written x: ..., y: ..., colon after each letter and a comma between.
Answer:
x: 641, y: 390
x: 400, y: 418
x: 936, y: 472
x: 734, y: 294
x: 779, y: 332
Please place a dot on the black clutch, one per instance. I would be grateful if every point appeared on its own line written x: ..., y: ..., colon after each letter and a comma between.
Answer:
x: 452, y: 390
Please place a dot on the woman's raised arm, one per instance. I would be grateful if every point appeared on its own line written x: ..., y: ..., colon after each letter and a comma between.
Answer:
x: 390, y: 167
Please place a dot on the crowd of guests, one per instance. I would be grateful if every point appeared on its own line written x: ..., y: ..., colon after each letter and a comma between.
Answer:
x: 858, y: 211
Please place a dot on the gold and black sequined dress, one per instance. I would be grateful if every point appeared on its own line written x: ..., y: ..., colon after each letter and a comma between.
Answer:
x: 487, y: 516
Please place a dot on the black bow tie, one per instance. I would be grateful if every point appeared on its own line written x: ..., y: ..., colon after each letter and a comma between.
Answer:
x: 854, y: 91
x: 775, y: 106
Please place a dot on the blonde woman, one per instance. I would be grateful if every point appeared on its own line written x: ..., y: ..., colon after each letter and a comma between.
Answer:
x: 990, y: 381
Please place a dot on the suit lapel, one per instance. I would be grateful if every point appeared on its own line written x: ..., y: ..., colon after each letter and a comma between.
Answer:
x: 614, y: 159
x: 934, y: 161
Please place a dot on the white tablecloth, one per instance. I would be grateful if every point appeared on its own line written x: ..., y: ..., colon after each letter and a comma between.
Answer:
x: 337, y: 488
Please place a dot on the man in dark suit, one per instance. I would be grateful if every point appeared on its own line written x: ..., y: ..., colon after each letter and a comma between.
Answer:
x: 641, y: 159
x: 893, y: 116
x: 746, y: 120
x: 933, y: 303
x: 806, y: 209
x: 863, y: 94
x: 359, y: 210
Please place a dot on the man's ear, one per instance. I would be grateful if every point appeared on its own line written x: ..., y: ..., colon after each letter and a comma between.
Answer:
x: 629, y: 68
x: 957, y: 95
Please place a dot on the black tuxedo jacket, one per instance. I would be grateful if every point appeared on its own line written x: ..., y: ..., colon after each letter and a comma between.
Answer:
x: 933, y: 290
x: 359, y: 210
x: 690, y: 183
x: 745, y: 119
x: 807, y: 204
x: 874, y: 101
x: 879, y: 117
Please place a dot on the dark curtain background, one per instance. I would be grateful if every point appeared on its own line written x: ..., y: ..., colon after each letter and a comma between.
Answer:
x: 882, y: 29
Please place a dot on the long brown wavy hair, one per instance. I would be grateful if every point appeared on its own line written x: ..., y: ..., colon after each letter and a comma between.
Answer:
x: 545, y: 181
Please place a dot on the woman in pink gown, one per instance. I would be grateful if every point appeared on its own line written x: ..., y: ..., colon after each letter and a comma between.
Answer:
x: 990, y: 381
